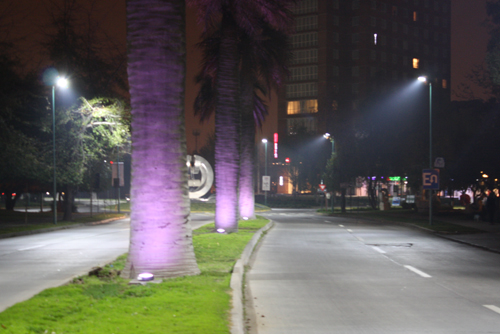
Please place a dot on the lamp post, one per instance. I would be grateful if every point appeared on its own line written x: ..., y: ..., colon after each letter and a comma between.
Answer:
x: 265, y: 167
x: 330, y: 138
x: 63, y: 83
x: 424, y: 79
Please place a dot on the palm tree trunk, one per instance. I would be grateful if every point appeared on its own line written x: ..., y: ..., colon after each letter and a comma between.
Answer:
x: 226, y: 131
x: 160, y: 232
x: 246, y: 195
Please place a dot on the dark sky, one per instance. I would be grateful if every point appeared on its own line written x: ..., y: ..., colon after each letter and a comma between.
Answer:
x: 468, y: 44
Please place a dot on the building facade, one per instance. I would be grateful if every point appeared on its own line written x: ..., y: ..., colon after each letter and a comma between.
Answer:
x: 345, y: 51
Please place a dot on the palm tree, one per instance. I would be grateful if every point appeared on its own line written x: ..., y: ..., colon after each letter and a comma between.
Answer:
x: 230, y: 20
x: 160, y: 232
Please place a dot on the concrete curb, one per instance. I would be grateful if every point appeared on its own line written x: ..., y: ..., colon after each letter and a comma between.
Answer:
x: 57, y: 228
x: 237, y: 321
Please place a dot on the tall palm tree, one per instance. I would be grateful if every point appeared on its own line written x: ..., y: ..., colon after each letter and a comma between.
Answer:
x: 230, y: 20
x: 160, y: 232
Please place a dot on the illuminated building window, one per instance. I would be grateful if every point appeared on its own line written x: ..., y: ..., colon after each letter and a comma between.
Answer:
x: 414, y: 16
x: 281, y: 181
x: 416, y: 62
x: 444, y: 83
x: 302, y: 107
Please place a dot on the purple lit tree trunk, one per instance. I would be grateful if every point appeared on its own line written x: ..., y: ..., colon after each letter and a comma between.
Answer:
x: 226, y: 129
x: 246, y: 195
x: 160, y: 232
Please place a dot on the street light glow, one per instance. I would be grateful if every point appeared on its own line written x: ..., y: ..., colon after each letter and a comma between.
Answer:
x: 327, y: 135
x: 422, y: 79
x: 62, y: 82
x: 264, y: 140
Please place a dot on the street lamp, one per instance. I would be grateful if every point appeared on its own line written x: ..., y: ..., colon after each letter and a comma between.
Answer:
x: 424, y: 80
x: 63, y: 83
x: 330, y: 138
x: 265, y: 168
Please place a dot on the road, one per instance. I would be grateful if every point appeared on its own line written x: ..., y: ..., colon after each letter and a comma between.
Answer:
x: 33, y: 263
x: 316, y: 274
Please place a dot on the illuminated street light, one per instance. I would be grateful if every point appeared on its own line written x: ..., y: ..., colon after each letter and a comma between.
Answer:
x: 330, y: 138
x: 63, y: 83
x: 423, y: 79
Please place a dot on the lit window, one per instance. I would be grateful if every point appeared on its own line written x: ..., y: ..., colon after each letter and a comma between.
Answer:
x: 444, y: 84
x: 415, y: 16
x: 281, y: 181
x: 416, y: 62
x: 302, y: 107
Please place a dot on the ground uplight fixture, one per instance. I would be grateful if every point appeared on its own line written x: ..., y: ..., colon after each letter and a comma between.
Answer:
x: 221, y: 230
x: 144, y: 277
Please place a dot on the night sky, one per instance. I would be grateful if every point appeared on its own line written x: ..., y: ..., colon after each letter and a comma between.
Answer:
x: 28, y: 17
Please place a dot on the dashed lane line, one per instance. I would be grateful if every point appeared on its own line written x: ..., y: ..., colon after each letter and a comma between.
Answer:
x: 419, y: 272
x: 493, y: 308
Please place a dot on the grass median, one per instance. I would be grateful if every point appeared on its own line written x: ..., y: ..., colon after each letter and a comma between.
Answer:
x: 105, y: 303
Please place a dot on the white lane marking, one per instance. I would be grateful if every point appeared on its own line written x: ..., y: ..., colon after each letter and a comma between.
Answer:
x: 493, y: 308
x: 360, y: 239
x: 419, y: 272
x: 327, y: 221
x: 28, y: 248
x: 378, y: 250
x: 341, y: 225
x: 348, y: 230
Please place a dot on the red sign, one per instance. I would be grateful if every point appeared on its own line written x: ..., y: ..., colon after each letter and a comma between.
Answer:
x: 275, y: 145
x: 322, y: 187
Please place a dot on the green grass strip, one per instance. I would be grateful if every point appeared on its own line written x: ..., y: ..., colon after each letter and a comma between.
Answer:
x: 106, y: 304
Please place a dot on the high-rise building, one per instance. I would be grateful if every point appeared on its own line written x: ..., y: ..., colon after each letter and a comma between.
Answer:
x: 345, y: 51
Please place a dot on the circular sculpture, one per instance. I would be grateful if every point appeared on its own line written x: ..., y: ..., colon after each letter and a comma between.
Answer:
x: 201, y: 176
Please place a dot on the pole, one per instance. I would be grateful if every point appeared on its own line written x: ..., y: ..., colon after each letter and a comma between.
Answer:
x: 430, y: 148
x: 118, y: 174
x: 265, y: 172
x: 54, y: 150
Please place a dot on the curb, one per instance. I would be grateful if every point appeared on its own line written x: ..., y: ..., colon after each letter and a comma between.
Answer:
x: 237, y: 326
x: 51, y: 229
x: 436, y: 233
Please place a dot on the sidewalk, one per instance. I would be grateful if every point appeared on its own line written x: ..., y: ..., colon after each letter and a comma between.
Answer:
x: 489, y: 239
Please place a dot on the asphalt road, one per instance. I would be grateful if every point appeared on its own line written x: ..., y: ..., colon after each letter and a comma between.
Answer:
x: 33, y: 263
x: 315, y: 274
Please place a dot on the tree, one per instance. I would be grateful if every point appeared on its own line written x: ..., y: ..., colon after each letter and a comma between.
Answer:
x: 86, y: 134
x: 21, y: 106
x: 161, y: 239
x: 231, y: 21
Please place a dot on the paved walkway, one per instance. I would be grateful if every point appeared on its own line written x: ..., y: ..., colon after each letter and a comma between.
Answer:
x: 489, y: 239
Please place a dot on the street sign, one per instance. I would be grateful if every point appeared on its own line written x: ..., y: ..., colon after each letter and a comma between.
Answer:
x: 439, y: 162
x: 266, y: 183
x: 430, y: 179
x: 322, y: 187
